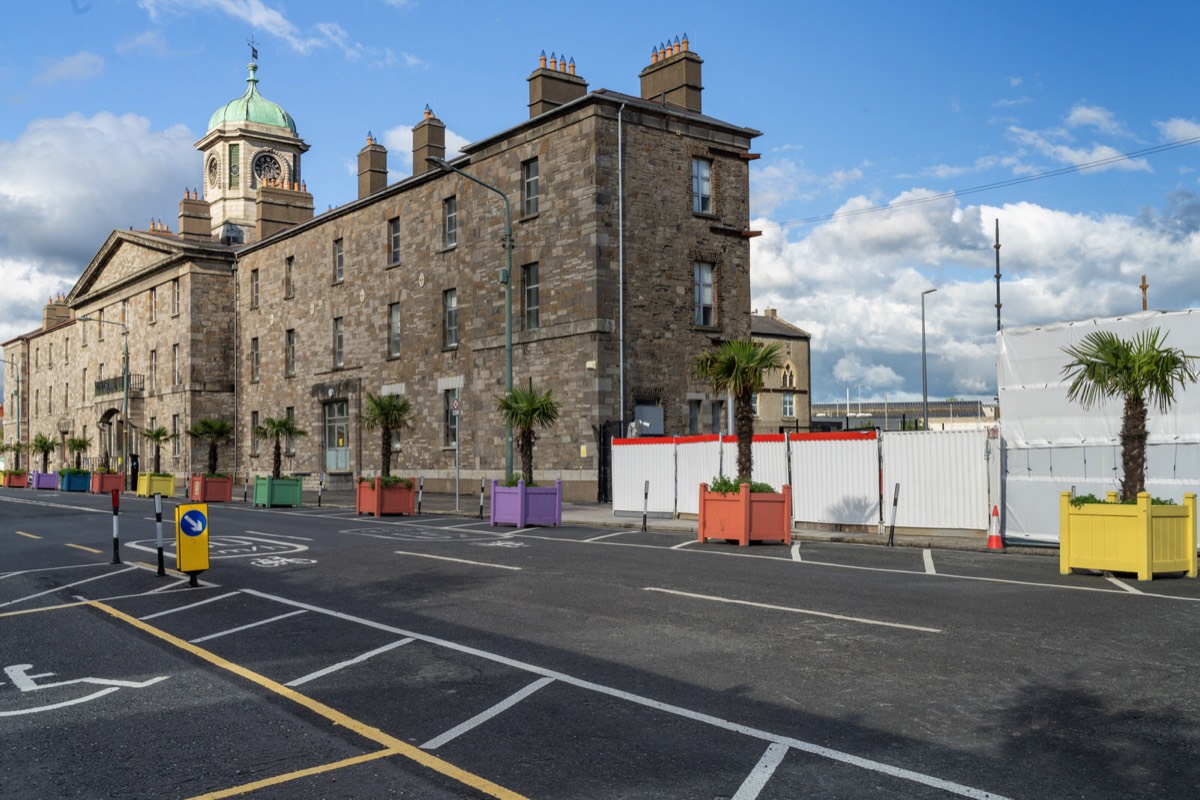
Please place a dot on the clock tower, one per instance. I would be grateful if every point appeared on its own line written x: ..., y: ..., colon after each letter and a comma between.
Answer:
x: 250, y: 143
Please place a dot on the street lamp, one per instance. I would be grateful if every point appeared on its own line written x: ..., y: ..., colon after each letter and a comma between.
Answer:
x: 17, y: 373
x: 506, y: 279
x: 125, y: 405
x: 924, y: 379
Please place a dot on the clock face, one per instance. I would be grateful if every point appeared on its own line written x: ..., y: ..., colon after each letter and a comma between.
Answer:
x: 213, y: 173
x: 266, y: 168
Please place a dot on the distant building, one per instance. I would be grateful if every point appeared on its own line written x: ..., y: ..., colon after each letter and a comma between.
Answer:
x: 630, y: 256
x: 944, y: 415
x: 784, y: 404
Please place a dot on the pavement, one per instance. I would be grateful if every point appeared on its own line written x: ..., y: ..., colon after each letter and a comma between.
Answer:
x: 601, y: 515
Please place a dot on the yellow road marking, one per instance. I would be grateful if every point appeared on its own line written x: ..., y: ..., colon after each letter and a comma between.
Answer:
x: 333, y: 715
x: 302, y: 773
x: 81, y: 547
x: 27, y: 535
x: 43, y: 608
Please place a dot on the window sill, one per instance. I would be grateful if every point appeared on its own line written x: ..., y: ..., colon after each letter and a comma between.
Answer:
x: 448, y: 248
x: 707, y: 328
x: 396, y: 357
x: 338, y: 283
x: 705, y: 215
x: 392, y: 266
x: 449, y: 348
x: 530, y: 217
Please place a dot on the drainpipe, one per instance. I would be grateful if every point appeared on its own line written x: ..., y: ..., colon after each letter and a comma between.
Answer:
x: 621, y: 259
x: 236, y: 383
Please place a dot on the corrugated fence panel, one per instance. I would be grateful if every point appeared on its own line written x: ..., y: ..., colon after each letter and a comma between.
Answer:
x: 635, y: 461
x: 770, y: 458
x: 942, y: 477
x: 697, y: 461
x: 835, y: 478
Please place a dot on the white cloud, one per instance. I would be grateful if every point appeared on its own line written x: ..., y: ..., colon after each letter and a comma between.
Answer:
x: 1043, y: 142
x: 151, y: 41
x: 1177, y: 130
x: 785, y: 180
x: 74, y: 68
x: 1014, y: 81
x: 1009, y: 103
x: 1085, y: 116
x: 398, y: 141
x: 850, y: 370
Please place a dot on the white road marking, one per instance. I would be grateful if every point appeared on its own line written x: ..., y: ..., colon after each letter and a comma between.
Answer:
x: 356, y: 660
x: 281, y: 535
x: 796, y: 552
x: 77, y: 701
x: 19, y: 675
x: 707, y: 719
x: 458, y: 560
x: 48, y: 569
x: 55, y: 505
x: 169, y: 586
x: 762, y: 772
x: 608, y: 536
x: 806, y: 611
x: 479, y: 719
x: 67, y: 586
x: 241, y: 628
x: 189, y: 605
x: 683, y: 544
x: 928, y: 555
x: 1122, y: 584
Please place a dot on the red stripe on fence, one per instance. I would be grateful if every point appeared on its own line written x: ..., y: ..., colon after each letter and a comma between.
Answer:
x: 833, y: 436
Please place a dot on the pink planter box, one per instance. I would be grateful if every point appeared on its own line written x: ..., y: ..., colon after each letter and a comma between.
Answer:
x: 523, y: 505
x: 746, y: 517
x: 371, y: 497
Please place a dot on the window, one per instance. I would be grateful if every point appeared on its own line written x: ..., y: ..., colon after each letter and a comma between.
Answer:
x: 67, y: 351
x: 100, y: 325
x: 176, y: 377
x: 450, y: 222
x: 37, y: 402
x: 153, y: 370
x: 529, y: 278
x: 394, y: 241
x: 693, y: 416
x: 50, y: 355
x: 153, y: 305
x: 450, y: 318
x: 253, y: 433
x: 529, y: 187
x: 175, y: 434
x: 254, y: 288
x: 49, y: 400
x: 339, y: 341
x: 339, y: 263
x: 124, y: 312
x: 394, y: 330
x: 702, y: 186
x: 789, y: 404
x: 289, y: 444
x: 789, y: 377
x: 704, y: 294
x: 83, y: 335
x: 289, y: 283
x: 754, y: 404
x: 449, y: 401
x: 718, y: 415
x: 254, y: 360
x: 175, y: 296
x: 289, y: 352
x: 234, y: 166
x: 85, y: 385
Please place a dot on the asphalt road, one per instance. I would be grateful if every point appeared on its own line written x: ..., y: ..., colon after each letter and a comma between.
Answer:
x: 326, y: 655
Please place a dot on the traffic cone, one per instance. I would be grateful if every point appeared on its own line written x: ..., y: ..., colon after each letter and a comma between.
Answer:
x: 994, y: 543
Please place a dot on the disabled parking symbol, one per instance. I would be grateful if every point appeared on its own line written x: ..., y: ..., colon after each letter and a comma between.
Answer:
x: 21, y: 679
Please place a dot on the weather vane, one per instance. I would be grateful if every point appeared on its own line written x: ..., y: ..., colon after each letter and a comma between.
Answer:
x: 253, y: 48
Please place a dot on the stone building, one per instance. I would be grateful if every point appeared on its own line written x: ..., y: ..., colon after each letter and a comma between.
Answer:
x: 629, y: 255
x: 785, y: 403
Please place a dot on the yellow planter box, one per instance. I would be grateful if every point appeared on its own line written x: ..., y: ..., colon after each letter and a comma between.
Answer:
x: 1141, y: 538
x: 150, y: 485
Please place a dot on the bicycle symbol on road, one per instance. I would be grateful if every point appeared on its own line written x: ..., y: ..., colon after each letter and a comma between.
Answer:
x: 20, y: 677
x: 280, y: 561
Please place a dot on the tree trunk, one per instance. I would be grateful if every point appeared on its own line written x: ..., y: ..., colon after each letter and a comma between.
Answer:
x: 743, y: 421
x: 212, y: 457
x: 277, y: 465
x: 525, y: 439
x: 157, y: 460
x: 385, y: 451
x: 1133, y: 448
x: 45, y: 462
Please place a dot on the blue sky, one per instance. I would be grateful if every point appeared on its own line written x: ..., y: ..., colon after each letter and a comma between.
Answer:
x: 884, y: 107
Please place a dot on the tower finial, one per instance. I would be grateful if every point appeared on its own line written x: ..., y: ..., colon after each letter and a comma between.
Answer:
x: 253, y: 48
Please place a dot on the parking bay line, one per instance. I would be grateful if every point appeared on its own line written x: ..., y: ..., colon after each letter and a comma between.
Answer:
x: 350, y: 662
x: 27, y: 535
x: 67, y: 586
x: 844, y: 618
x: 479, y: 719
x: 81, y: 547
x: 762, y: 772
x: 338, y: 718
x: 459, y: 560
x: 680, y: 711
x: 241, y: 628
x: 189, y: 605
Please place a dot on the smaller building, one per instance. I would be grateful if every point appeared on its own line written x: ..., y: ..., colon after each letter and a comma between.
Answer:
x: 785, y: 402
x: 904, y: 415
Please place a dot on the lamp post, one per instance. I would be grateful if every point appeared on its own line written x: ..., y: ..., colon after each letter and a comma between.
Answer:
x: 125, y: 403
x: 506, y: 279
x: 924, y: 379
x: 17, y: 374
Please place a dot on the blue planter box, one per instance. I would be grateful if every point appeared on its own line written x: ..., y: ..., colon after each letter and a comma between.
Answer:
x: 75, y: 482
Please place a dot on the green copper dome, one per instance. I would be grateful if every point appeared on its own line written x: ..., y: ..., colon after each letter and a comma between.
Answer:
x: 253, y: 107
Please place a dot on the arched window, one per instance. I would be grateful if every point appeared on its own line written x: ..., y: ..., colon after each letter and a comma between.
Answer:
x: 789, y: 377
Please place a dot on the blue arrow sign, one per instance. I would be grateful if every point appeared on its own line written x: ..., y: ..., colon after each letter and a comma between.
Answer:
x: 193, y: 523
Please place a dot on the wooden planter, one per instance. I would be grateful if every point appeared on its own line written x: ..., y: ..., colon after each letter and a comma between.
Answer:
x: 746, y: 517
x: 372, y: 497
x: 203, y: 489
x: 107, y: 482
x: 149, y: 485
x: 1141, y: 538
x: 16, y: 479
x: 45, y: 480
x: 523, y: 505
x: 270, y: 491
x: 75, y: 481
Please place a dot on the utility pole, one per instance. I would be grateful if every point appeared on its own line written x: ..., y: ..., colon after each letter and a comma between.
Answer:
x: 997, y: 246
x: 1144, y: 287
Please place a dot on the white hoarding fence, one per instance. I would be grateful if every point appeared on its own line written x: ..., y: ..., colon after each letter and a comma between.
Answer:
x: 635, y: 461
x: 835, y: 477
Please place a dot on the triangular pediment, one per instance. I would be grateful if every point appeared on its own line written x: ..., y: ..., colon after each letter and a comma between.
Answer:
x: 128, y: 255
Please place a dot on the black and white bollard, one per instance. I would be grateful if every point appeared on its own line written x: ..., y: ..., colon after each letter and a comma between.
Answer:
x: 892, y: 530
x: 246, y: 487
x: 481, y: 498
x: 320, y: 488
x: 420, y: 493
x: 162, y: 569
x: 116, y: 500
x: 645, y: 503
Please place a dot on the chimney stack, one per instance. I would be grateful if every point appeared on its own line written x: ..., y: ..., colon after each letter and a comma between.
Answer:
x: 195, y: 219
x: 279, y: 207
x: 56, y: 312
x: 553, y: 86
x: 673, y: 76
x: 429, y: 139
x: 372, y: 168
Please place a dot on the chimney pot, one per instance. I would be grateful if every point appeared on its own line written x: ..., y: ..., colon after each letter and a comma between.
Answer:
x: 571, y: 67
x: 542, y: 60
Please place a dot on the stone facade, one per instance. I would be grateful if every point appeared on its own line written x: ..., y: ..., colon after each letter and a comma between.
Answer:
x: 793, y: 381
x: 265, y: 317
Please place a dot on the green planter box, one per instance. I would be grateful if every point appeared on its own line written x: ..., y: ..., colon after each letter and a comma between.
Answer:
x: 270, y: 492
x: 150, y: 485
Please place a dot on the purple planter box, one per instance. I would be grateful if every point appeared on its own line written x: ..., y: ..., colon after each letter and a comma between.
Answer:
x: 523, y: 505
x: 45, y: 480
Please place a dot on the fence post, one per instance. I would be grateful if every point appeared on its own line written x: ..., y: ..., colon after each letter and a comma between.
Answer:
x: 892, y: 531
x: 645, y: 502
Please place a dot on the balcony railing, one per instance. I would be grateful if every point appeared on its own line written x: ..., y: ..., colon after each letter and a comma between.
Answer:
x: 116, y: 385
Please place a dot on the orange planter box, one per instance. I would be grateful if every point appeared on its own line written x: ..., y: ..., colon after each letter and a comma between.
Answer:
x: 16, y: 480
x: 203, y: 489
x: 107, y: 482
x: 371, y: 497
x: 745, y: 516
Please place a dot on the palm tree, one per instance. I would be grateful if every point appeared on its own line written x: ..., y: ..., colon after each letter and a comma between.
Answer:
x: 213, y: 431
x: 44, y: 446
x: 276, y: 428
x: 738, y: 367
x: 159, y: 436
x: 525, y: 410
x: 78, y: 445
x: 15, y: 447
x: 390, y: 413
x: 1142, y: 371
